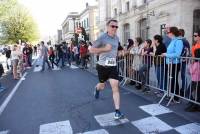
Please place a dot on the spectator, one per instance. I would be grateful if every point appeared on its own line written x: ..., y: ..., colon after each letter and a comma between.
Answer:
x: 147, y: 61
x: 1, y: 73
x: 129, y: 59
x: 76, y: 54
x: 166, y: 38
x: 158, y: 49
x: 15, y: 55
x: 185, y: 53
x: 8, y: 56
x: 83, y: 54
x: 35, y: 50
x: 197, y: 40
x: 52, y: 57
x: 173, y: 54
x: 60, y: 54
x: 30, y: 49
x: 136, y: 51
x: 44, y: 56
x: 26, y: 52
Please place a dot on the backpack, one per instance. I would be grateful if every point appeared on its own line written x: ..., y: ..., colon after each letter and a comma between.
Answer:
x: 186, y: 47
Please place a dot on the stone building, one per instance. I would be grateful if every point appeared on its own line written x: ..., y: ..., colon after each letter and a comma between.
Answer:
x: 89, y: 20
x: 145, y: 18
x: 69, y: 26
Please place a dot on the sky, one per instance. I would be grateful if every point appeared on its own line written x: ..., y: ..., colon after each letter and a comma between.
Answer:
x: 49, y: 14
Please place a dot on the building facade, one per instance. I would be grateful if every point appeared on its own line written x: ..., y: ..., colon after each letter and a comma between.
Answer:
x: 145, y: 18
x: 89, y: 21
x: 69, y: 26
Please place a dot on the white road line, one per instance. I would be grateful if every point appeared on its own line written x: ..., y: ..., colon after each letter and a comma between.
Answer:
x: 62, y: 127
x: 192, y: 128
x: 37, y: 69
x: 155, y: 109
x: 7, y: 100
x: 4, y: 132
x: 101, y: 131
x: 108, y: 120
x: 151, y: 125
x: 73, y: 67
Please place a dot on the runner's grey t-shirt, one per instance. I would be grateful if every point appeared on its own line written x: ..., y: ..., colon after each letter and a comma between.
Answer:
x: 101, y: 42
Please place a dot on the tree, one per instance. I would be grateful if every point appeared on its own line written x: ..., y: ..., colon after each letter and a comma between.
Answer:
x: 17, y: 24
x: 6, y: 5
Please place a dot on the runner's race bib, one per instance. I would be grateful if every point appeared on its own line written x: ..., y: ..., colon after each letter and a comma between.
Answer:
x: 110, y: 62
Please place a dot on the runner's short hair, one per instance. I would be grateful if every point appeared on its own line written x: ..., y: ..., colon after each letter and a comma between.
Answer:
x: 112, y: 20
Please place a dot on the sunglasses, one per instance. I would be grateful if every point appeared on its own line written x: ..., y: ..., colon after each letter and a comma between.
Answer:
x: 113, y: 26
x: 195, y: 35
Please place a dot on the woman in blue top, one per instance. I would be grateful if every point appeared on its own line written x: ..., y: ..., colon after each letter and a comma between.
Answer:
x: 172, y: 55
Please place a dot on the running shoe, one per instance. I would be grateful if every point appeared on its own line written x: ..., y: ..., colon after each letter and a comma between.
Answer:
x: 96, y: 93
x: 118, y: 115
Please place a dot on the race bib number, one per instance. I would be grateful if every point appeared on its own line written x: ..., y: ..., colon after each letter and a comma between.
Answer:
x: 110, y: 62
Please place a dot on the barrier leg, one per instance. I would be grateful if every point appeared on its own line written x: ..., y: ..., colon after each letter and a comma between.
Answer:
x: 162, y: 98
x: 172, y: 97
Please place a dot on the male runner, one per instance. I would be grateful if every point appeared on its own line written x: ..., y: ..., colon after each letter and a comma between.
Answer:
x: 106, y: 46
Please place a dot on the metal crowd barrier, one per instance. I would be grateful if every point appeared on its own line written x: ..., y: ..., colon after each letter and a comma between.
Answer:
x: 173, y: 80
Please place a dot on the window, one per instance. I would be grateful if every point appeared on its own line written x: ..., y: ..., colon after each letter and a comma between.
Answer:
x: 115, y: 12
x: 126, y: 32
x: 76, y: 24
x: 87, y: 22
x: 97, y: 20
x: 127, y: 6
x: 196, y: 19
x: 84, y: 24
x: 143, y: 31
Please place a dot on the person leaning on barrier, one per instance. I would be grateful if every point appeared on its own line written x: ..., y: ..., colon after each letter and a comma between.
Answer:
x: 158, y: 49
x: 185, y: 53
x: 147, y: 63
x: 172, y: 55
x: 136, y: 50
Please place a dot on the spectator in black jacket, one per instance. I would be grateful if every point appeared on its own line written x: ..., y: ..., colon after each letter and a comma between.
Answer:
x: 8, y: 60
x: 1, y: 73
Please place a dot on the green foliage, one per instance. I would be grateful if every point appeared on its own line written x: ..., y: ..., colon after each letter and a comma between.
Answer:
x: 5, y: 5
x: 17, y: 24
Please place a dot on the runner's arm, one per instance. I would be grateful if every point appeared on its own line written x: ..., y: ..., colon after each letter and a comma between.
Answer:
x: 94, y: 50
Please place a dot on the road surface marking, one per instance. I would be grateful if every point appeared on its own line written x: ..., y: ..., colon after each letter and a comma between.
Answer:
x: 151, y: 125
x: 108, y: 120
x: 73, y: 67
x: 37, y: 68
x: 192, y: 128
x: 4, y: 132
x: 101, y: 131
x: 62, y: 127
x: 7, y: 100
x: 155, y: 109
